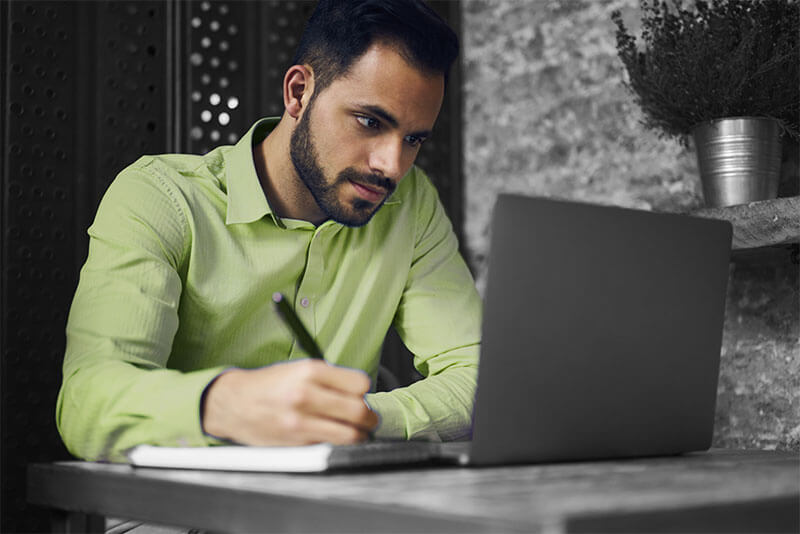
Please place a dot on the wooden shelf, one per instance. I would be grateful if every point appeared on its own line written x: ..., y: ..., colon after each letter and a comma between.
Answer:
x: 760, y: 224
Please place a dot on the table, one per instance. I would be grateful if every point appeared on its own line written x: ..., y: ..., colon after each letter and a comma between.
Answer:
x: 720, y: 490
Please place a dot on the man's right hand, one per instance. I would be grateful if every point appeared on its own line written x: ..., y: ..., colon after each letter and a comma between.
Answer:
x: 293, y: 403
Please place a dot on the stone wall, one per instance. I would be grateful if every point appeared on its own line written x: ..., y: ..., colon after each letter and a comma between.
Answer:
x: 545, y: 113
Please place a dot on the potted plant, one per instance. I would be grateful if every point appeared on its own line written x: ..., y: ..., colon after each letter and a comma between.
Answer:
x: 725, y: 73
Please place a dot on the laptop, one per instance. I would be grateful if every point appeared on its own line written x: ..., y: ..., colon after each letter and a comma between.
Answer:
x: 602, y: 329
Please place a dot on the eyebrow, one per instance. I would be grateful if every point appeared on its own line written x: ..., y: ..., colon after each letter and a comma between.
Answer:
x: 390, y: 119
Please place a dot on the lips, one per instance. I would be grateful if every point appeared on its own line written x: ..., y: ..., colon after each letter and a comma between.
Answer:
x: 370, y: 193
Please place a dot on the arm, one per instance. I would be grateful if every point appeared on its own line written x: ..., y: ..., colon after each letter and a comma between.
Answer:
x: 118, y: 391
x: 438, y: 318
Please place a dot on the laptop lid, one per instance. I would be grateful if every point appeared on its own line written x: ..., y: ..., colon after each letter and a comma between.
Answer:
x: 601, y: 332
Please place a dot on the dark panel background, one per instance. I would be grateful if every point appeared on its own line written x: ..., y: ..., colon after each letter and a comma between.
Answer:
x: 87, y: 88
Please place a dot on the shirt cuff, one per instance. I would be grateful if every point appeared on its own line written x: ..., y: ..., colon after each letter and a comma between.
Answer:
x: 392, y: 423
x: 211, y: 439
x: 187, y: 428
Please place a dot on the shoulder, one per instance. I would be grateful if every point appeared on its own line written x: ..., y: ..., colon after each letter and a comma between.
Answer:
x: 416, y: 194
x: 152, y: 192
x: 415, y: 186
x: 181, y: 178
x: 174, y: 170
x: 411, y: 213
x: 420, y: 198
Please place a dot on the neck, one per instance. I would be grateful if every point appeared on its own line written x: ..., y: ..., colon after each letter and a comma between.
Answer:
x: 286, y: 193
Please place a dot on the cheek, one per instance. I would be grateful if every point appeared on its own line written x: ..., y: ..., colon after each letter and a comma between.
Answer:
x: 408, y: 159
x: 345, y: 151
x: 325, y: 150
x: 325, y: 136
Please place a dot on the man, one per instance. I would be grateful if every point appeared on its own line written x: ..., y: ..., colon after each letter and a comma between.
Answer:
x: 172, y: 338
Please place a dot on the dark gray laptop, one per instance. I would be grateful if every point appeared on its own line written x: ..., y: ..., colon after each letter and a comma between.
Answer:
x: 602, y: 329
x: 601, y: 333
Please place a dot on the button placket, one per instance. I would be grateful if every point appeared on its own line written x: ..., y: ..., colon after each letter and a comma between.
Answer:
x: 302, y: 302
x: 309, y: 288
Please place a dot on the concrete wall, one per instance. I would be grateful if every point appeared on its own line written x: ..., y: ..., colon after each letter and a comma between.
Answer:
x: 546, y: 114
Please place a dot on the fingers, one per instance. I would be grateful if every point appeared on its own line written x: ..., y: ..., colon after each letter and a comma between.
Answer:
x: 312, y: 399
x: 342, y: 379
x: 307, y: 429
x: 295, y: 428
x: 334, y: 393
x: 294, y: 403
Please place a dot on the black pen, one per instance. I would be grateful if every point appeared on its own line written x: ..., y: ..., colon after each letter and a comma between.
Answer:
x: 302, y: 336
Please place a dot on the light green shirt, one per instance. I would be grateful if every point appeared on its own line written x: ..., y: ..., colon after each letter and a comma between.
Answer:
x: 184, y: 256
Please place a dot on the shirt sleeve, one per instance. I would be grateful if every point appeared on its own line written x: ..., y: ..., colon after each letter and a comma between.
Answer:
x: 117, y: 391
x: 439, y: 320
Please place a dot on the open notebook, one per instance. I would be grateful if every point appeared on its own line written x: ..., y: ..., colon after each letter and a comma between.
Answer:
x: 601, y: 339
x: 303, y: 459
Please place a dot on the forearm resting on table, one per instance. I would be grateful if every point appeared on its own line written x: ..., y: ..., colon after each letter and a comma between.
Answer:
x: 437, y: 408
x: 105, y: 408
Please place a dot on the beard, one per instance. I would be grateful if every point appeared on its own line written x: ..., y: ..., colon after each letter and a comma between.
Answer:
x: 326, y: 192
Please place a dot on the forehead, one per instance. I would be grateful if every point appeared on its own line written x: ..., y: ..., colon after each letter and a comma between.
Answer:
x: 382, y: 77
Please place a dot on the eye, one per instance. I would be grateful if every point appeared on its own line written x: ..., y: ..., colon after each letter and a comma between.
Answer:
x: 414, y: 141
x: 368, y: 122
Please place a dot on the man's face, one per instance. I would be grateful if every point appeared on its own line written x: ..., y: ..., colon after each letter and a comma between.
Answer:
x: 364, y: 134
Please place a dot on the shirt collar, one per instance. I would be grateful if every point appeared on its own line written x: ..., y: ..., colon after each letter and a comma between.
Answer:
x: 246, y: 199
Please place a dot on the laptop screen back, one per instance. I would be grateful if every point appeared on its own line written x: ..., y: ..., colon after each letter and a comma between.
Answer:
x: 601, y: 334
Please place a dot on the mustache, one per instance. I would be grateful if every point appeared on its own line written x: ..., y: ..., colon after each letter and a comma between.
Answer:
x: 368, y: 179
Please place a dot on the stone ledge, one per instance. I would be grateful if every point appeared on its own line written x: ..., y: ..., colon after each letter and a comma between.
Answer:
x: 760, y: 224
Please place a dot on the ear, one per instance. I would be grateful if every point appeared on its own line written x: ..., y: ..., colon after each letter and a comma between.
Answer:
x: 298, y: 86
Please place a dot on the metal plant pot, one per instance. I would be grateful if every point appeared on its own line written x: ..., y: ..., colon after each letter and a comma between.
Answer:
x: 739, y: 159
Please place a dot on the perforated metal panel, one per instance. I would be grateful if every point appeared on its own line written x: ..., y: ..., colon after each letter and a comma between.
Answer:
x: 87, y: 88
x: 132, y: 85
x: 233, y: 60
x: 215, y: 81
x: 85, y: 93
x: 38, y: 244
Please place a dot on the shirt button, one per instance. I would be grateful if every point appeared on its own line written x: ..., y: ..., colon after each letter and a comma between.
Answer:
x: 304, y: 302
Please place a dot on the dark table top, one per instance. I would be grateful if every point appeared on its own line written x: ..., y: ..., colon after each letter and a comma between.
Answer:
x: 720, y: 490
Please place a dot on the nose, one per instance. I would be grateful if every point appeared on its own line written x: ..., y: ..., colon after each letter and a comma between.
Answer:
x: 387, y: 159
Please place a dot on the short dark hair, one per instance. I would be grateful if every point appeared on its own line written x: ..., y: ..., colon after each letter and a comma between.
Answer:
x: 340, y: 31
